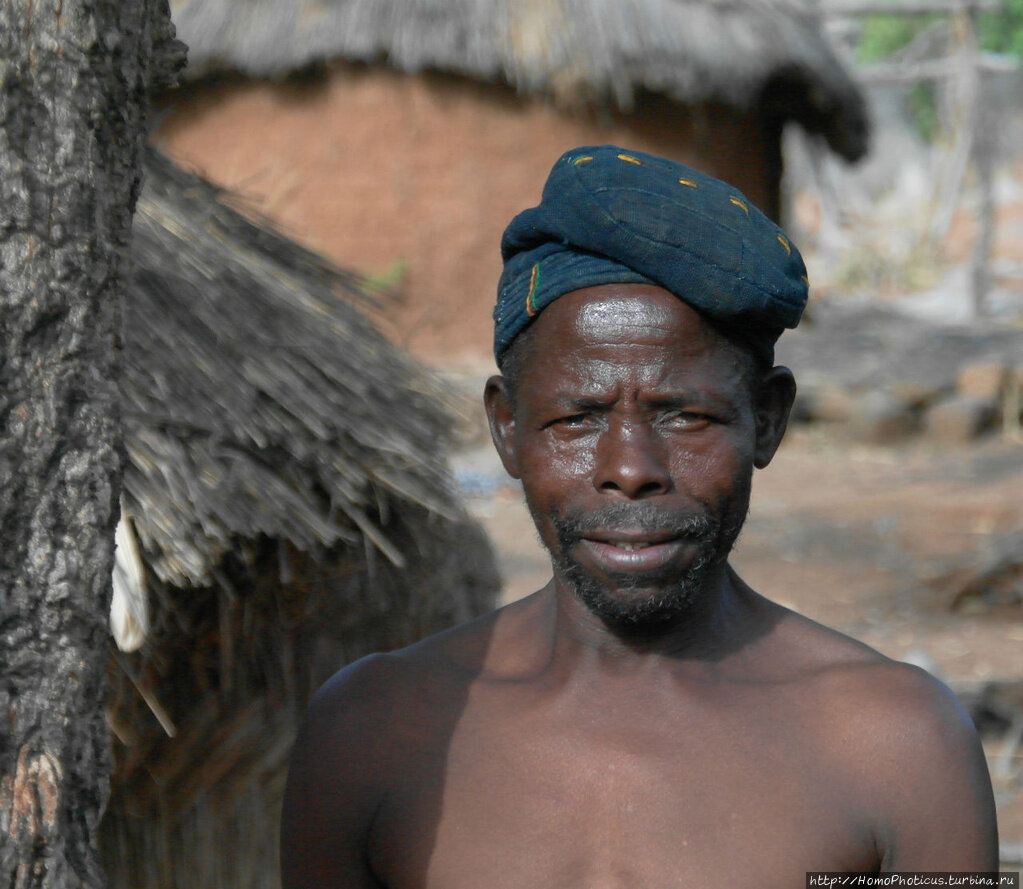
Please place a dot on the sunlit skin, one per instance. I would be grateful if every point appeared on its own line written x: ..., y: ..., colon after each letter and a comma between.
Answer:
x: 714, y: 740
x: 632, y: 400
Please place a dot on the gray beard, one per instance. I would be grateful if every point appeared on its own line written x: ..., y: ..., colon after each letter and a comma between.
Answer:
x: 672, y: 594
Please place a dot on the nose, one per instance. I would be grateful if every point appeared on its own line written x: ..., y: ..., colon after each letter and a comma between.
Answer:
x: 631, y: 460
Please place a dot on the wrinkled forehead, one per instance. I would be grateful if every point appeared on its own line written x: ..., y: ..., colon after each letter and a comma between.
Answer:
x: 625, y: 315
x: 634, y: 319
x: 623, y: 334
x: 635, y: 334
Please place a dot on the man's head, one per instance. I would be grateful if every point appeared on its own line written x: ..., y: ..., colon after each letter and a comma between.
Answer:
x: 635, y: 412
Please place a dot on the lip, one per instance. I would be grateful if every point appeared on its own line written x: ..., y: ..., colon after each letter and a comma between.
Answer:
x: 647, y: 551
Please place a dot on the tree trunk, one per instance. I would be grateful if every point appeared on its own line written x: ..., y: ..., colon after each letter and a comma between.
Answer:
x: 74, y: 77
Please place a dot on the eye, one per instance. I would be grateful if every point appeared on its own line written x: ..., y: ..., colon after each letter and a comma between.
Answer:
x: 682, y: 419
x: 573, y: 422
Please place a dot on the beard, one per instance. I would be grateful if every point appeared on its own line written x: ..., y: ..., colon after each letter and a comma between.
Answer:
x: 638, y: 601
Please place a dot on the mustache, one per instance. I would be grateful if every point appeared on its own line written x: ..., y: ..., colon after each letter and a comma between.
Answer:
x: 650, y: 517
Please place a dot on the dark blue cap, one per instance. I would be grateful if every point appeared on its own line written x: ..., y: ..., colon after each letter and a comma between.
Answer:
x: 613, y: 216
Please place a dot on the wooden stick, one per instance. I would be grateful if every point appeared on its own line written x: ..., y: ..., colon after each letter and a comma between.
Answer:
x: 162, y: 716
x: 984, y: 151
x: 933, y: 69
x: 906, y: 7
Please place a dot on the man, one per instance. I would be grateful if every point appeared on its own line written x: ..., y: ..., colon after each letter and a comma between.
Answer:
x: 646, y: 719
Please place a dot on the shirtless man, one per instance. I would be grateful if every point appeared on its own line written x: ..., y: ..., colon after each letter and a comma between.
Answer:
x: 646, y: 720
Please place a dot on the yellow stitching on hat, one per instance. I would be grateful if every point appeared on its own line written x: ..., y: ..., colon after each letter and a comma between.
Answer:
x: 582, y: 160
x: 805, y: 280
x: 630, y: 160
x: 784, y: 244
x: 688, y: 182
x: 739, y: 203
x: 534, y: 279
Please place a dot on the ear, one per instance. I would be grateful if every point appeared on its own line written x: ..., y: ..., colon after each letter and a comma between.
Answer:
x: 772, y: 403
x: 501, y: 417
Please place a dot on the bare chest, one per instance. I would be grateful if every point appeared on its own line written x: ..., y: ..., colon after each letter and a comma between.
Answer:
x: 615, y: 801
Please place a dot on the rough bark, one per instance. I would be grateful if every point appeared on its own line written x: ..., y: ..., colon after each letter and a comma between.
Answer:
x: 74, y: 77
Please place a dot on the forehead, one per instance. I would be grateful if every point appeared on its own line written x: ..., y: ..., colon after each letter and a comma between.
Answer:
x: 626, y: 325
x: 626, y: 314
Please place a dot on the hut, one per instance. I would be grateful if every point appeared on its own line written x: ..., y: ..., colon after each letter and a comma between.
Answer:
x: 286, y: 494
x: 401, y: 135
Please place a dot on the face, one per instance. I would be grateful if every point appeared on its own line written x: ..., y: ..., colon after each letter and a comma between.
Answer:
x: 635, y: 430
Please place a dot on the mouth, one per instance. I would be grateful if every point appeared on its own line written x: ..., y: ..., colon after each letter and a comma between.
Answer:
x: 631, y: 552
x: 632, y: 545
x: 631, y: 539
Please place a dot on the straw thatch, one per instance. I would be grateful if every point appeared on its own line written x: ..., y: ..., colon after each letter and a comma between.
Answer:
x: 738, y: 52
x: 286, y: 485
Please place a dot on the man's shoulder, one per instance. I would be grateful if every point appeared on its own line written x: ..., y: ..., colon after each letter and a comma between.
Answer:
x: 382, y: 721
x: 853, y: 675
x: 348, y: 708
x: 506, y: 643
x: 904, y: 750
x: 387, y: 681
x: 875, y: 707
x: 440, y: 662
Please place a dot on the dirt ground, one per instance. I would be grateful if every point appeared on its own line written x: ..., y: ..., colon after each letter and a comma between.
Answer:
x: 859, y: 538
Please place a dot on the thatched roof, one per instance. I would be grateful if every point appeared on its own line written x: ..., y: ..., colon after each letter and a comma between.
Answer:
x: 256, y: 402
x: 286, y: 482
x: 577, y: 51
